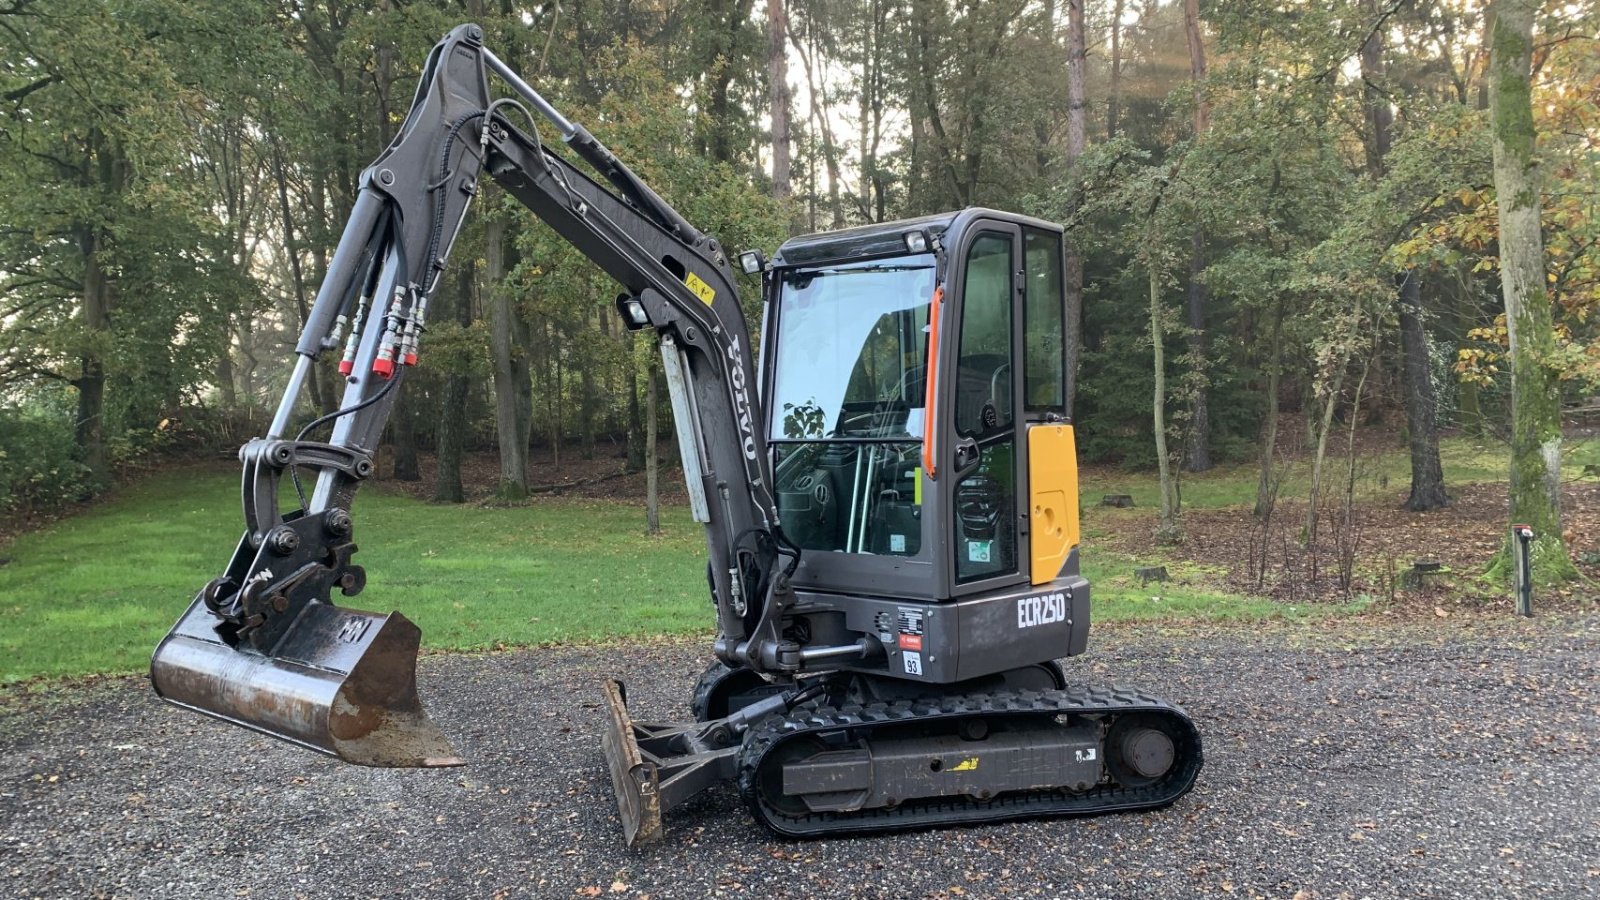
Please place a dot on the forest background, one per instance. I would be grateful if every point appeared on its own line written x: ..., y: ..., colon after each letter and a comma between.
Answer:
x: 1292, y: 225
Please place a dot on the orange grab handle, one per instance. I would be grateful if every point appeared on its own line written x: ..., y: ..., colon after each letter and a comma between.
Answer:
x: 932, y: 379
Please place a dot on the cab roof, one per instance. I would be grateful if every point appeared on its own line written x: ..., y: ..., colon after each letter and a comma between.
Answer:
x: 886, y: 238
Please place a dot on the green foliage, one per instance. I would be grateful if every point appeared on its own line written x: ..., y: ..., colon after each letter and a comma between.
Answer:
x: 561, y: 294
x: 39, y: 466
x: 118, y: 277
x: 198, y: 160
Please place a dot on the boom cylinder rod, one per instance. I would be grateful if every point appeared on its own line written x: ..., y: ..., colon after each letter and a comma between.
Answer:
x: 562, y: 123
x: 341, y: 270
x: 601, y: 158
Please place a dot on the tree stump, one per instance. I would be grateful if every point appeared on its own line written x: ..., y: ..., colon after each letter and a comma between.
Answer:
x: 1151, y: 573
x: 1416, y: 577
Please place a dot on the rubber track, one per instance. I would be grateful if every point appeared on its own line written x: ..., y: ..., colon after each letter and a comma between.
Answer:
x: 770, y: 733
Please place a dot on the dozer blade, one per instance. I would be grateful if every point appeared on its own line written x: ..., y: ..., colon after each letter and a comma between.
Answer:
x: 656, y: 768
x: 636, y: 782
x: 340, y: 681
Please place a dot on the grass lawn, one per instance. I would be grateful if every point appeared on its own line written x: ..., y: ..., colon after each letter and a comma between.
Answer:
x: 95, y: 592
x: 1465, y: 461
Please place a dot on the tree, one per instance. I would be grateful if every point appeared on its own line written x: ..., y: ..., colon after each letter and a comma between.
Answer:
x: 778, y: 90
x: 1114, y: 102
x: 1197, y: 447
x: 108, y: 242
x: 450, y: 350
x: 1076, y: 133
x: 1422, y: 420
x: 1536, y: 395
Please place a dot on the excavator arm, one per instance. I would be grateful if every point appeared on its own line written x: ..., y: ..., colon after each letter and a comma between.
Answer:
x: 263, y: 645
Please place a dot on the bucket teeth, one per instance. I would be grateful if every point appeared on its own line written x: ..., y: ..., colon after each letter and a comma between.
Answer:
x: 341, y: 682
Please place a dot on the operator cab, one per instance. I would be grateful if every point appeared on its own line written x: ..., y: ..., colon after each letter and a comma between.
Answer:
x: 891, y: 488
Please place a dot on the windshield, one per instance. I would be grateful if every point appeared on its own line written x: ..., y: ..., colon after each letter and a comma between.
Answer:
x: 852, y: 350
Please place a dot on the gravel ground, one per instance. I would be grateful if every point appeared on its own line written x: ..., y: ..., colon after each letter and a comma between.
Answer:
x: 1447, y: 761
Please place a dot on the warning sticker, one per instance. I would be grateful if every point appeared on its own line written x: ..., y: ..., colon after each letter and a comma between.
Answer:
x: 700, y: 289
x: 910, y: 642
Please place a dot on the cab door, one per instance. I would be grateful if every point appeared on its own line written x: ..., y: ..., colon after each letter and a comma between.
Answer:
x: 1011, y: 517
x: 987, y: 462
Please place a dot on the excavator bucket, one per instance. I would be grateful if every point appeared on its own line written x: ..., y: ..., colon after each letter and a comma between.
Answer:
x: 340, y: 681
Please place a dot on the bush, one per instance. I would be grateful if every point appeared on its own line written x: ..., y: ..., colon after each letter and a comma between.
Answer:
x: 39, y: 466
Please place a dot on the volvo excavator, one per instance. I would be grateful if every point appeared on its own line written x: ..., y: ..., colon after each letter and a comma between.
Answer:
x: 890, y: 501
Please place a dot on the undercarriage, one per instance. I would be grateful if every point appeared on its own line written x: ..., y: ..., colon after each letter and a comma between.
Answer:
x: 852, y: 754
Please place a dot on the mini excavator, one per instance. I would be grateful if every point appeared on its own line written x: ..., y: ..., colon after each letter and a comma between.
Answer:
x: 890, y: 502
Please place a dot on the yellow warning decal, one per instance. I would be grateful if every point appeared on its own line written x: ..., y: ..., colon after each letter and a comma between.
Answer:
x: 966, y: 765
x: 700, y: 289
x: 916, y: 489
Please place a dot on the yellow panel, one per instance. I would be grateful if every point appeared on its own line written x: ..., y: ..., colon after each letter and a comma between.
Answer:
x: 1053, y: 482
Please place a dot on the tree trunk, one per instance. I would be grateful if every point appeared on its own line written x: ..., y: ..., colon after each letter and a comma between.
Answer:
x: 451, y: 436
x: 778, y: 91
x: 513, y: 385
x: 248, y: 362
x: 1042, y: 123
x: 1347, y: 538
x: 732, y: 16
x: 820, y: 127
x: 226, y: 381
x: 556, y: 395
x: 1076, y: 114
x: 1266, y: 487
x: 636, y: 426
x: 1308, y: 534
x: 1422, y: 407
x: 1535, y: 388
x: 107, y: 173
x: 1197, y: 449
x: 90, y: 432
x: 323, y: 398
x: 512, y: 377
x: 404, y: 438
x: 1379, y: 114
x: 1076, y: 109
x: 1197, y: 65
x: 280, y: 177
x: 1114, y: 105
x: 1168, y: 531
x: 589, y: 406
x: 1469, y: 409
x: 652, y: 464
